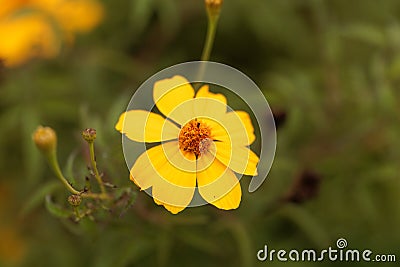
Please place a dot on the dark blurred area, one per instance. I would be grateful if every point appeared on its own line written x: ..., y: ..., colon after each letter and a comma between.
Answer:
x: 330, y: 70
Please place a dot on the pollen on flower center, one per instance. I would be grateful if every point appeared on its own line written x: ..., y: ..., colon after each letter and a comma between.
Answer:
x: 195, y: 137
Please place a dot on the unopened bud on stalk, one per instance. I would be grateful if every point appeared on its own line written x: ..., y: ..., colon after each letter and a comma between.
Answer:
x: 213, y: 7
x: 45, y: 139
x: 89, y: 134
x: 74, y: 200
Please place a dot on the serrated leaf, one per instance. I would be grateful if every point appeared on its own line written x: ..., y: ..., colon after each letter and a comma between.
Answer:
x: 55, y: 209
x: 130, y: 196
x: 119, y: 192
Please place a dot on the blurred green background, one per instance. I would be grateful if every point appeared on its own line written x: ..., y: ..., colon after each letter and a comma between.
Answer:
x: 331, y: 73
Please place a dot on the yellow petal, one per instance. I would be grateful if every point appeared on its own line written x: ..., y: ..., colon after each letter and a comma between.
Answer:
x: 185, y: 161
x: 170, y: 93
x: 144, y: 126
x: 211, y: 101
x: 7, y: 7
x: 218, y: 185
x: 238, y: 126
x: 218, y: 131
x: 232, y: 152
x: 170, y: 208
x: 143, y: 172
x: 170, y: 185
x: 238, y: 158
x: 198, y: 108
x: 231, y: 200
x: 246, y: 122
x: 205, y: 92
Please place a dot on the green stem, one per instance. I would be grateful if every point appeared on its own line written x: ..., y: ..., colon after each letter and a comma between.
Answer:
x: 103, y: 196
x: 94, y: 168
x: 208, y: 45
x: 76, y: 210
x: 241, y: 235
x: 211, y: 30
x: 53, y: 162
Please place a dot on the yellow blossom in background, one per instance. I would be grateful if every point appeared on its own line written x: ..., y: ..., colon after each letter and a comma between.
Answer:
x: 209, y: 146
x: 26, y: 37
x: 9, y: 6
x: 37, y: 28
x: 73, y: 15
x: 13, y: 247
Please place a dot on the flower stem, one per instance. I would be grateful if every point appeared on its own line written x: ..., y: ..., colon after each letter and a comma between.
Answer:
x: 209, y: 42
x: 53, y: 162
x: 103, y: 196
x: 213, y: 8
x: 77, y: 214
x: 94, y: 168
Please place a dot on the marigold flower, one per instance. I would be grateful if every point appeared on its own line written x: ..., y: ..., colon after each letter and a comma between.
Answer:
x: 37, y: 28
x: 207, y: 149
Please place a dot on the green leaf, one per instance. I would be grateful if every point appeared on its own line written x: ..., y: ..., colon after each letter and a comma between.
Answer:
x: 109, y: 252
x: 69, y: 167
x: 55, y: 209
x: 169, y: 16
x: 128, y: 197
x: 141, y: 11
x: 199, y: 241
x: 134, y: 252
x: 306, y: 222
x: 369, y: 34
x: 37, y: 197
x: 164, y: 243
x: 243, y: 241
x: 32, y: 157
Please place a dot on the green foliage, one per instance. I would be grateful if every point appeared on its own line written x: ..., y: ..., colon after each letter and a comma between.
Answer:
x: 55, y: 209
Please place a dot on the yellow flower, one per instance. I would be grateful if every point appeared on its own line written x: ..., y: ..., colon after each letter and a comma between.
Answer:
x: 73, y: 16
x: 13, y: 248
x: 26, y: 37
x: 36, y: 28
x: 209, y: 146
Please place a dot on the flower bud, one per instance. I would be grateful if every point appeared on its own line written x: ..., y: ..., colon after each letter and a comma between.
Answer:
x: 74, y: 200
x: 213, y: 7
x: 89, y: 134
x: 45, y: 139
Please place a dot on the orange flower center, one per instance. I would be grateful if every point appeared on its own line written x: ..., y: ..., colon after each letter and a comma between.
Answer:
x: 195, y: 137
